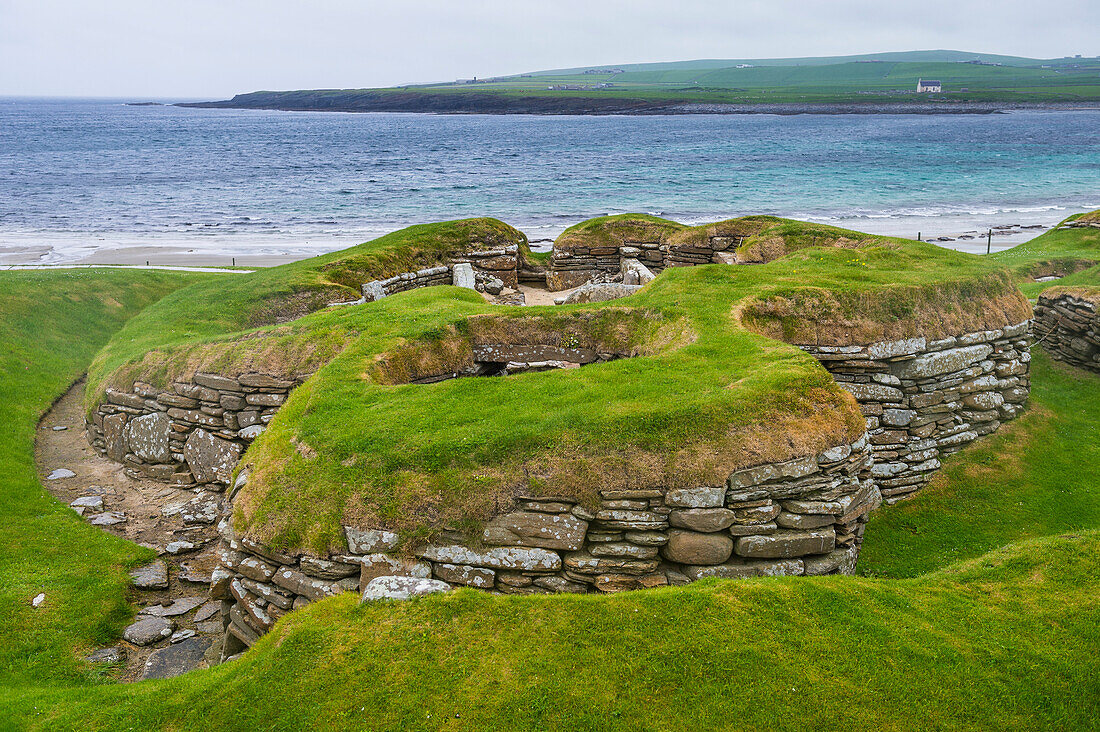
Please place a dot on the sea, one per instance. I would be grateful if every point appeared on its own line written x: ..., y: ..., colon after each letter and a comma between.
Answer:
x: 85, y: 180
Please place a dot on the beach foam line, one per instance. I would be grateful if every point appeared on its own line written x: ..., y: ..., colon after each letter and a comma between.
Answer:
x: 10, y: 267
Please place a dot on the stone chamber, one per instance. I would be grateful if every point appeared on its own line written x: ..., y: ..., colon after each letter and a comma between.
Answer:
x: 921, y: 398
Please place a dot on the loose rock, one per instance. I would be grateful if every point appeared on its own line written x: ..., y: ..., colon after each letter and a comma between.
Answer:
x: 148, y: 630
x: 153, y: 576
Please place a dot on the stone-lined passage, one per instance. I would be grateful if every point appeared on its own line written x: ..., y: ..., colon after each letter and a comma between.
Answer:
x: 576, y: 265
x: 194, y: 432
x: 486, y: 271
x: 926, y: 399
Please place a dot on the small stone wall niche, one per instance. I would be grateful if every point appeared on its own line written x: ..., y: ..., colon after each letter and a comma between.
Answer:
x: 577, y: 265
x: 486, y: 271
x: 926, y: 399
x: 1068, y: 327
x: 193, y: 432
x: 800, y: 517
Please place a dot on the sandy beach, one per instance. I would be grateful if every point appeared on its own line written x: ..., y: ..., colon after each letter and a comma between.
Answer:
x: 256, y: 250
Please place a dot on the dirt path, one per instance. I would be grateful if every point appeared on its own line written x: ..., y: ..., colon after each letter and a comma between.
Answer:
x: 163, y: 517
x: 542, y: 296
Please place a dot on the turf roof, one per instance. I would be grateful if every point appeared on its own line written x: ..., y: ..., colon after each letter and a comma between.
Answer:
x: 713, y: 386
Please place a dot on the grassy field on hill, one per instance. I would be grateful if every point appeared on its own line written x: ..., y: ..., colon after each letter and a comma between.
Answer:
x: 871, y: 82
x: 842, y: 79
x: 51, y: 324
x: 978, y: 608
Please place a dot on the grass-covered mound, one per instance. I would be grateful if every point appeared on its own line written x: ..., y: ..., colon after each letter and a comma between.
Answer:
x: 213, y: 310
x: 756, y: 239
x: 703, y: 395
x: 1005, y: 641
x: 1061, y: 251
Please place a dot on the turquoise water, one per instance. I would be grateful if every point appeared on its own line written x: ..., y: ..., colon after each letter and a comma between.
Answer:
x: 80, y: 175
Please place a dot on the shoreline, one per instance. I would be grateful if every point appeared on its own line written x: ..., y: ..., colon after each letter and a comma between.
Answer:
x: 25, y: 251
x: 456, y: 103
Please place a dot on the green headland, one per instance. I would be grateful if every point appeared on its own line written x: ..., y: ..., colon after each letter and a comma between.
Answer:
x: 885, y: 82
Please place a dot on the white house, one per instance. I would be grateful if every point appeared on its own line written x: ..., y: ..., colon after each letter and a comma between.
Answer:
x: 927, y: 85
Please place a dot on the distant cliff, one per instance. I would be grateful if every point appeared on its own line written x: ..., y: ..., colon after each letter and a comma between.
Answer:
x: 386, y: 100
x: 465, y: 102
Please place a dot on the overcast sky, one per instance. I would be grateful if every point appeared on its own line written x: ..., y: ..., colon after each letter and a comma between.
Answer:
x: 216, y: 48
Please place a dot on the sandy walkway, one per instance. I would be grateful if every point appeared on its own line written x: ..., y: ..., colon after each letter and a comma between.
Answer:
x: 152, y: 514
x: 542, y: 296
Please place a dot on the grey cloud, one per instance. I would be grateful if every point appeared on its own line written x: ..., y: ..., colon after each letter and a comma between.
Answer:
x: 214, y: 49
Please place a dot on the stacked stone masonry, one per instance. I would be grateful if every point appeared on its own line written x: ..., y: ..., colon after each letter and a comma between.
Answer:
x: 925, y: 399
x: 1068, y: 327
x: 192, y: 432
x: 492, y: 270
x: 922, y: 399
x: 575, y: 266
x: 800, y: 517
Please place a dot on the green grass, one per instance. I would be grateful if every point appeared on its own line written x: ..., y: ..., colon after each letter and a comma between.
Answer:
x: 1005, y: 640
x: 51, y: 324
x: 216, y: 308
x: 703, y: 397
x: 1054, y: 253
x: 1033, y: 478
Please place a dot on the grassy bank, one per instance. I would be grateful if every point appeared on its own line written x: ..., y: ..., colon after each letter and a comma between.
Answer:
x: 1034, y: 477
x: 1003, y: 641
x: 1056, y: 253
x: 51, y: 324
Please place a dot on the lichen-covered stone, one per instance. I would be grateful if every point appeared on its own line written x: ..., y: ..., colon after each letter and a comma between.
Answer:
x: 536, y: 529
x: 153, y: 576
x: 786, y: 544
x: 301, y: 584
x: 942, y: 362
x: 841, y: 561
x: 211, y: 459
x: 749, y: 477
x: 709, y: 497
x: 114, y: 436
x: 326, y: 568
x: 702, y: 519
x: 382, y: 565
x: 256, y: 569
x: 401, y: 588
x: 743, y: 568
x: 148, y: 630
x: 457, y: 574
x: 369, y: 541
x: 517, y: 558
x: 692, y: 547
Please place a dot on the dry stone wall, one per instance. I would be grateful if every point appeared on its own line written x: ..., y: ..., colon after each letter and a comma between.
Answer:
x: 491, y: 270
x: 800, y: 517
x: 922, y: 400
x: 926, y: 399
x: 193, y: 432
x: 1068, y: 327
x: 577, y: 265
